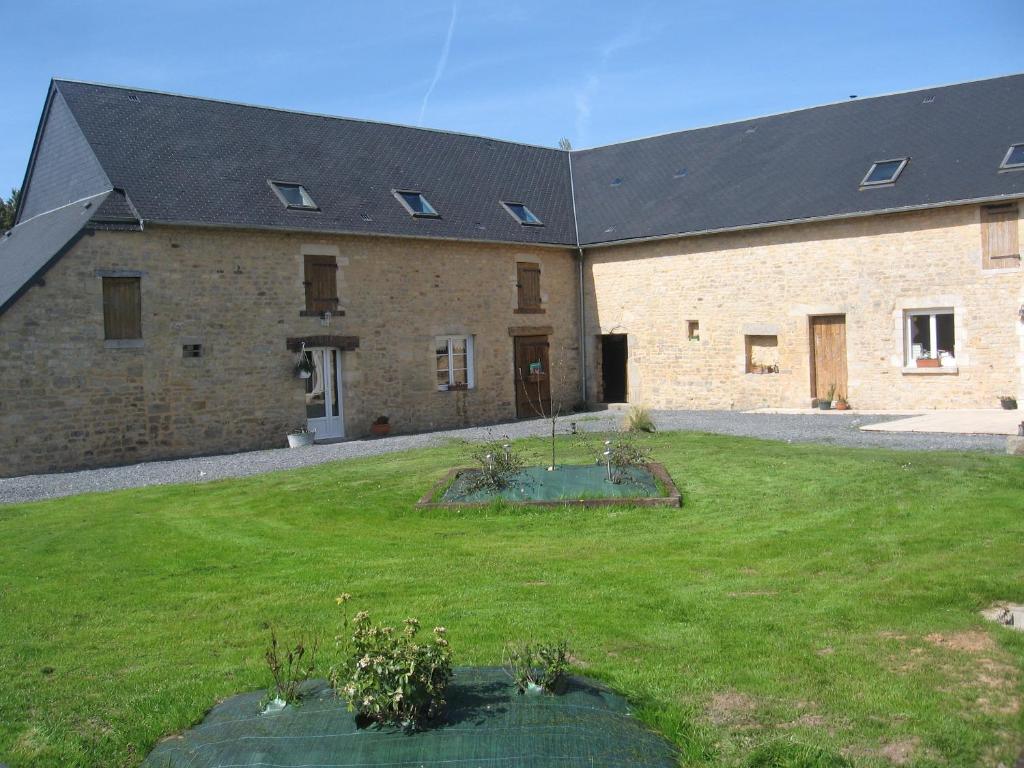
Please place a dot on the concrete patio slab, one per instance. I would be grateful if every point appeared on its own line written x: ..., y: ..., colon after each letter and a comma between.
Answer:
x: 960, y: 422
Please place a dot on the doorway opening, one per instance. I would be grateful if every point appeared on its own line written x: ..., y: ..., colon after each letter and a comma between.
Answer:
x: 614, y: 354
x: 532, y: 377
x: 324, y: 414
x: 828, y: 357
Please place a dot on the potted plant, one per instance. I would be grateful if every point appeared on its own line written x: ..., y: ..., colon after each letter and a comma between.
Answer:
x: 1009, y: 402
x: 301, y: 436
x: 825, y: 404
x: 304, y: 366
x: 380, y: 426
x: 842, y: 404
x: 927, y: 361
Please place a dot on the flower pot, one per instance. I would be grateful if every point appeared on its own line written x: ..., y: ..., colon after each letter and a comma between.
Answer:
x: 380, y: 430
x: 928, y: 362
x: 1008, y: 403
x: 824, y: 405
x: 304, y: 374
x: 300, y: 439
x: 841, y: 406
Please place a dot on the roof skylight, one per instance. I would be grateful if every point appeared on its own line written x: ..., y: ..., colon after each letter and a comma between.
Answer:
x: 415, y: 203
x: 884, y: 172
x: 1014, y: 157
x: 294, y: 196
x: 522, y: 214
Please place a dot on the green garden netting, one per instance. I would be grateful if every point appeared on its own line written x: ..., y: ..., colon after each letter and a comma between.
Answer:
x: 487, y: 724
x: 566, y: 482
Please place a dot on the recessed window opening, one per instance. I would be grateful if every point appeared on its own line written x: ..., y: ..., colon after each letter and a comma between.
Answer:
x: 1014, y: 158
x: 293, y: 196
x: 884, y: 172
x: 191, y: 350
x: 454, y: 356
x: 415, y: 203
x: 762, y: 353
x: 522, y: 214
x: 930, y: 338
x: 693, y: 330
x: 1000, y: 245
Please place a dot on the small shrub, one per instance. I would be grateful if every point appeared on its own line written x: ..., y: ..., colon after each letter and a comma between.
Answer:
x: 639, y: 420
x: 393, y: 676
x: 496, y: 466
x: 289, y: 669
x: 543, y: 664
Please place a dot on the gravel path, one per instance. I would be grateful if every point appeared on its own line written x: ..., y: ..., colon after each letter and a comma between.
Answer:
x: 831, y: 429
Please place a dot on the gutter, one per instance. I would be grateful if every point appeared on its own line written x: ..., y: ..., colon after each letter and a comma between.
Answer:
x: 809, y: 220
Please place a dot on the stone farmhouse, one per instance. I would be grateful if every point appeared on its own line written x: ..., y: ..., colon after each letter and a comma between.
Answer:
x: 175, y: 258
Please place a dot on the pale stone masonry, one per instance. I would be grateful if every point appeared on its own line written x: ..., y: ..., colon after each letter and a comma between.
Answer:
x: 70, y: 401
x: 771, y: 281
x: 172, y: 255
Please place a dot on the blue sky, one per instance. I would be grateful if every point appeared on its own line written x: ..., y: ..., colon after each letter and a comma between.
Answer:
x: 595, y: 72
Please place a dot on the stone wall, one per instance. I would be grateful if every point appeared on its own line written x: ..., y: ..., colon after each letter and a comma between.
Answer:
x: 770, y: 281
x: 69, y: 401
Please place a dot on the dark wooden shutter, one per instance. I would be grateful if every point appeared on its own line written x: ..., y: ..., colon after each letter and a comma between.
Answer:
x: 122, y: 308
x: 528, y: 283
x: 999, y: 246
x: 321, y: 284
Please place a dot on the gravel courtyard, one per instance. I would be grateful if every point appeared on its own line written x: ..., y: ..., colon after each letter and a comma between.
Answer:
x: 831, y: 429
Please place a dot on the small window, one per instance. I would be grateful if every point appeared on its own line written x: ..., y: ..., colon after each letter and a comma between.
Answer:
x: 1014, y: 158
x: 930, y: 338
x: 294, y: 196
x: 1000, y: 246
x: 122, y: 308
x: 762, y: 354
x: 191, y: 350
x: 523, y: 215
x: 528, y: 287
x: 416, y: 204
x: 454, y: 356
x: 321, y: 284
x: 884, y: 172
x: 693, y: 330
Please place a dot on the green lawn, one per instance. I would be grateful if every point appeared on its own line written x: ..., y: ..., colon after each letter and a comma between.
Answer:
x: 806, y: 600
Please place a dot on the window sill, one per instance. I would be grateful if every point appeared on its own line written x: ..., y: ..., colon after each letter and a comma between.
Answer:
x: 455, y: 388
x: 123, y: 343
x: 940, y: 371
x: 530, y: 311
x: 311, y: 313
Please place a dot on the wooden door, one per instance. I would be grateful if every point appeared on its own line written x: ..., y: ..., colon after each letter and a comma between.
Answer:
x: 828, y: 356
x: 532, y: 377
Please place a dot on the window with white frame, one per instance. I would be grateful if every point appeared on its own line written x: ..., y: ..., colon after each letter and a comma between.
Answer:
x: 454, y: 356
x: 930, y: 336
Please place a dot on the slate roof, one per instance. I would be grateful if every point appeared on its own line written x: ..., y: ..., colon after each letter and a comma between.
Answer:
x: 192, y: 160
x: 176, y: 159
x: 805, y: 164
x: 28, y: 250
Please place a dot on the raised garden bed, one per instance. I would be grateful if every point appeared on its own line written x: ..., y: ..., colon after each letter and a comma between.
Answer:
x: 568, y: 485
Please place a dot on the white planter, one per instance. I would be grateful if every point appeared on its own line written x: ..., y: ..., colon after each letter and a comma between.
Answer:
x: 301, y: 439
x: 273, y: 706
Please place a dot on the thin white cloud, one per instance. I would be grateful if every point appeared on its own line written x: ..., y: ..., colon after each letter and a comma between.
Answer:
x: 441, y: 63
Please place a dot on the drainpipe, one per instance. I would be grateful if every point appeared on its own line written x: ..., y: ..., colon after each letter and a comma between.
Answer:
x: 581, y: 304
x: 583, y: 327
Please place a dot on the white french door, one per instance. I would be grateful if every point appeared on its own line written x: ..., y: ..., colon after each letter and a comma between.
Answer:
x: 324, y: 413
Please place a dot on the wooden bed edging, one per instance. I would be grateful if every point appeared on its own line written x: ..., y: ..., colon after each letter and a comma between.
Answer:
x: 672, y: 498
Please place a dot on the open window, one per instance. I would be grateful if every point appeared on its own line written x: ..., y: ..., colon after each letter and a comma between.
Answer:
x: 1014, y: 159
x: 454, y: 356
x: 762, y: 353
x: 293, y: 196
x: 930, y: 338
x: 884, y: 172
x: 416, y: 204
x: 522, y: 214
